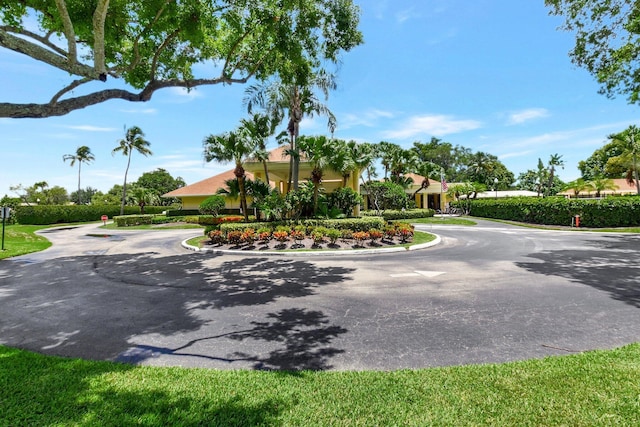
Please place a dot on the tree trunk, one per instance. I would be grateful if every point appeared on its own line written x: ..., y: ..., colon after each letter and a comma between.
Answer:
x: 124, y: 186
x: 239, y: 172
x: 79, y: 166
x: 635, y: 174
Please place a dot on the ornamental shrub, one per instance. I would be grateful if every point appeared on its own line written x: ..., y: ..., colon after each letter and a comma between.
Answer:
x: 212, y: 205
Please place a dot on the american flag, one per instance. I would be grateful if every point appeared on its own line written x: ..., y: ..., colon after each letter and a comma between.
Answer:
x: 443, y: 184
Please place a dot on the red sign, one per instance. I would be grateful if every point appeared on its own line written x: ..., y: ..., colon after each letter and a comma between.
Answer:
x: 104, y: 218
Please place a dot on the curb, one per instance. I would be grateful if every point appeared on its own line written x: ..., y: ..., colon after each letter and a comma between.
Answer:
x: 434, y: 242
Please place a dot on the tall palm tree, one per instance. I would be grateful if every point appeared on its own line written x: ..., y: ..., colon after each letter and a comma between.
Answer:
x: 319, y: 151
x: 235, y: 146
x: 260, y: 127
x: 82, y: 155
x: 554, y: 160
x: 630, y: 138
x: 133, y: 141
x: 299, y: 100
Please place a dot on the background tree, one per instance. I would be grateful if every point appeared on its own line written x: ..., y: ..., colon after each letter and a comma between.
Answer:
x: 607, y: 43
x: 160, y: 182
x: 596, y: 164
x: 133, y: 141
x: 152, y: 45
x: 86, y: 194
x: 235, y: 146
x: 555, y: 160
x: 82, y: 155
x: 260, y: 127
x: 630, y: 140
x: 143, y: 196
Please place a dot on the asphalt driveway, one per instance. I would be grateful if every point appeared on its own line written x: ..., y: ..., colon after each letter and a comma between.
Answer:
x: 490, y: 293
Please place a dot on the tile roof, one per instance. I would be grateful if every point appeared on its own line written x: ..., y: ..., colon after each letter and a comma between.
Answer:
x: 206, y: 187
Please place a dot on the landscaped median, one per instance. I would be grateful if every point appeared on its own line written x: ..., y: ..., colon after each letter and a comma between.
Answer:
x: 366, y: 234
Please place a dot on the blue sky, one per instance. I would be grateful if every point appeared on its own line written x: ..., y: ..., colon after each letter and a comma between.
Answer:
x: 490, y: 75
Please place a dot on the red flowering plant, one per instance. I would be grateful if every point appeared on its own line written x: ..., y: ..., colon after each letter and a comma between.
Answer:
x: 360, y: 237
x: 298, y: 236
x: 375, y: 235
x: 405, y: 231
x: 264, y: 235
x: 216, y: 237
x: 234, y: 237
x: 390, y: 232
x: 281, y: 236
x: 248, y: 236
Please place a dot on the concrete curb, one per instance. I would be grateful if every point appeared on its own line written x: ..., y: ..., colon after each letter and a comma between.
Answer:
x: 434, y: 242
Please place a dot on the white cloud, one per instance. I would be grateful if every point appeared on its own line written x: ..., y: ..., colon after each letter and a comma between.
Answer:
x: 519, y: 117
x: 184, y: 95
x: 432, y: 125
x: 89, y: 128
x: 142, y: 111
x: 404, y: 15
x: 367, y: 118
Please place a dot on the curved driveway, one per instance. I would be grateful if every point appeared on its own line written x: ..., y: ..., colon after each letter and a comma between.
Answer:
x: 489, y: 293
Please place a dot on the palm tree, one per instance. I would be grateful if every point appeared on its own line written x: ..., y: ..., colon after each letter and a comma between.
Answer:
x: 554, y: 160
x: 133, y: 140
x: 235, y: 146
x: 83, y: 155
x: 600, y: 184
x: 630, y: 138
x: 300, y: 100
x: 318, y: 151
x: 578, y: 186
x: 143, y: 197
x: 260, y: 127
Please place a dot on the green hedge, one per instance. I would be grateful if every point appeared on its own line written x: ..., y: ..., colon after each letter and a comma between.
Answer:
x: 391, y: 215
x: 57, y: 214
x: 354, y: 224
x: 596, y: 213
x: 130, y: 220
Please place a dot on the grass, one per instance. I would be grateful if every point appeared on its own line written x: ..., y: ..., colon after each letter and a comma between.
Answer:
x: 21, y: 239
x: 444, y: 221
x: 593, y: 388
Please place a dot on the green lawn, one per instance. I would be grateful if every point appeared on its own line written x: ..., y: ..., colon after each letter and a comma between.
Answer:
x: 444, y: 221
x: 593, y: 388
x: 20, y: 240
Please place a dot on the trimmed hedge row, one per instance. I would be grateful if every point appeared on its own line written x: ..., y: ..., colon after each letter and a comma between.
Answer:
x: 57, y: 214
x: 391, y: 215
x: 596, y: 213
x: 131, y: 220
x: 354, y: 224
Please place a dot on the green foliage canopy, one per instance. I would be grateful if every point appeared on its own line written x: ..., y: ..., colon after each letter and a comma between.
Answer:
x: 607, y: 41
x: 154, y: 44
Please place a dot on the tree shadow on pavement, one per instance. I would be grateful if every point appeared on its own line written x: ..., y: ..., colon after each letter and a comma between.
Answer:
x: 609, y: 264
x: 91, y: 306
x: 304, y: 336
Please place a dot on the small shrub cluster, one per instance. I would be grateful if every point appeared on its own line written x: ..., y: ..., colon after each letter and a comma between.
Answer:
x: 597, y: 213
x: 282, y: 234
